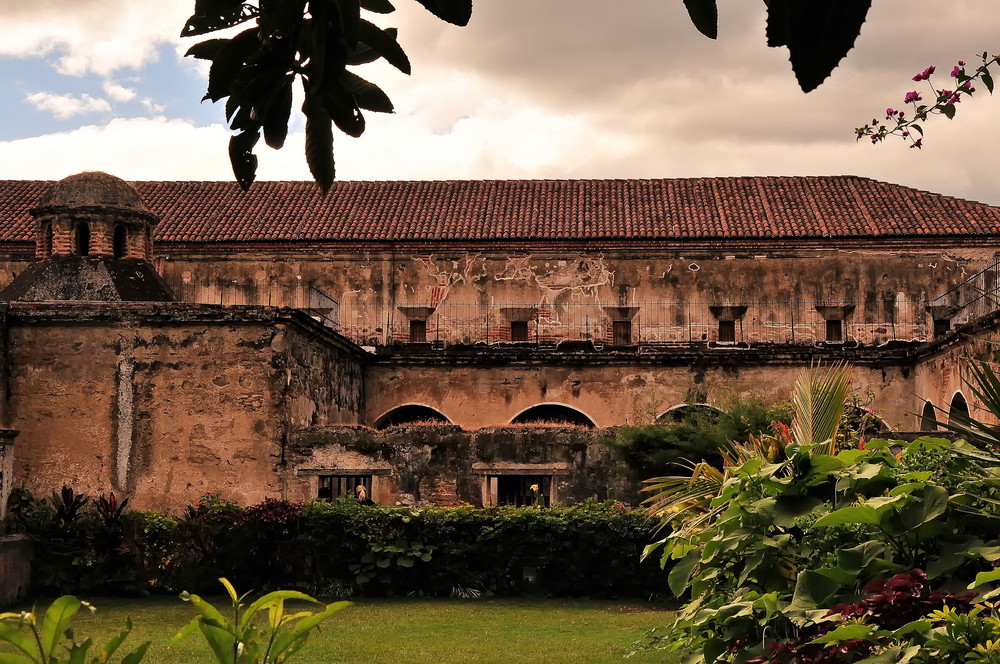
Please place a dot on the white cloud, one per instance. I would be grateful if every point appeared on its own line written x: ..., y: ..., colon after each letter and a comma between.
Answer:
x: 66, y: 106
x: 98, y: 36
x: 118, y: 92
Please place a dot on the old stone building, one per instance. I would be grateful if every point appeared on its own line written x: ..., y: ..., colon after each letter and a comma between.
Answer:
x: 175, y: 338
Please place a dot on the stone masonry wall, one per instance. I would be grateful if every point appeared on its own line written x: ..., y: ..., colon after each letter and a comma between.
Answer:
x: 161, y: 403
x: 444, y: 465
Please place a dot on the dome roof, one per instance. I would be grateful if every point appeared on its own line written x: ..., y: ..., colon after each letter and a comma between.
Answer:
x: 92, y: 189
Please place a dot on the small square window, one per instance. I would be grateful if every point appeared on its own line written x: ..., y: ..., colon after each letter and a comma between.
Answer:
x: 418, y: 331
x: 332, y: 487
x: 521, y: 490
x: 622, y: 332
x: 835, y: 331
x: 519, y: 330
x: 942, y: 327
x: 727, y: 330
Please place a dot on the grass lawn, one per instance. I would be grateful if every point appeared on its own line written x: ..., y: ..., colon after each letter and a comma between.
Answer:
x: 412, y: 631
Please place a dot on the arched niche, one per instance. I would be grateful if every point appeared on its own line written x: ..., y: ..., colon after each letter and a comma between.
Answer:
x: 553, y: 413
x: 685, y: 410
x: 958, y: 413
x: 928, y: 417
x: 410, y: 414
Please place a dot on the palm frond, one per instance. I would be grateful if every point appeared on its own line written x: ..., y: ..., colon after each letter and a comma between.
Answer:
x: 818, y: 399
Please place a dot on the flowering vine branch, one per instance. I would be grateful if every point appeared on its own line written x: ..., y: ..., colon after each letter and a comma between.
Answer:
x: 898, y: 124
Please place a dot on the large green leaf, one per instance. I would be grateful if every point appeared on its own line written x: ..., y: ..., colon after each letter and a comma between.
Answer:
x: 680, y: 573
x: 849, y: 515
x: 319, y: 141
x: 55, y: 622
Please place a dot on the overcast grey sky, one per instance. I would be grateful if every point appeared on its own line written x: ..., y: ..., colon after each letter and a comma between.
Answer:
x: 530, y: 89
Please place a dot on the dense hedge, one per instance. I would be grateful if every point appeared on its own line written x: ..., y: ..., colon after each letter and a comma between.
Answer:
x: 592, y: 549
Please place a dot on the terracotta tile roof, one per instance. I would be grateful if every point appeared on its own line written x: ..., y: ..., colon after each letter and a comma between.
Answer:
x: 495, y: 210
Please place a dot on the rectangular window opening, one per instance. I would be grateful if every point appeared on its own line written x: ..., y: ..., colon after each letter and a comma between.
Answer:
x: 418, y: 331
x: 727, y: 330
x: 524, y: 490
x: 835, y: 331
x: 332, y: 487
x: 519, y: 330
x: 622, y: 332
x: 942, y: 327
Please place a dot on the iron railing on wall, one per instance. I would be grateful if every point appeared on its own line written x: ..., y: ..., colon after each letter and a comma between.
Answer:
x: 307, y: 297
x: 379, y: 323
x: 977, y: 296
x: 666, y: 323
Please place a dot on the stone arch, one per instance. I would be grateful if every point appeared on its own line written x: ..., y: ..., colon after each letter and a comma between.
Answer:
x: 411, y: 413
x: 958, y: 413
x: 81, y: 233
x: 928, y: 417
x: 553, y: 413
x: 678, y: 412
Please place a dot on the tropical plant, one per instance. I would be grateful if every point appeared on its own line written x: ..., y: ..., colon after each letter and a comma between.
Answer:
x: 42, y: 643
x: 242, y: 640
x: 818, y: 400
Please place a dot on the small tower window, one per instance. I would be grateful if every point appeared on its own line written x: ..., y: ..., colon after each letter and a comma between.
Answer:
x: 82, y: 239
x: 120, y: 241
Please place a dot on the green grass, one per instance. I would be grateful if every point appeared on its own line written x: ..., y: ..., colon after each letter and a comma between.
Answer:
x: 412, y: 631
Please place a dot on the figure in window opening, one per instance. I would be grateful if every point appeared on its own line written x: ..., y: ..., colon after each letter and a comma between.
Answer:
x: 362, y: 495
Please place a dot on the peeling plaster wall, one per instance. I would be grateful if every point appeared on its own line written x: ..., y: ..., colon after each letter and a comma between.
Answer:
x: 469, y: 288
x: 163, y: 404
x: 472, y: 396
x: 443, y: 465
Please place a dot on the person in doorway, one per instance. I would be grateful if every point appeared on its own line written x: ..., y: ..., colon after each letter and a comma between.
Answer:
x: 362, y: 495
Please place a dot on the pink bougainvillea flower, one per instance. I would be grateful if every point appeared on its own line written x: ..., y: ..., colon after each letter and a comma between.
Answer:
x: 919, y: 143
x: 956, y: 71
x: 912, y: 97
x: 926, y: 74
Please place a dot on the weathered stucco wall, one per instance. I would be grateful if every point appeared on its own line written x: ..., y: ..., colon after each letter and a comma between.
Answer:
x: 612, y: 388
x: 444, y: 465
x: 164, y: 403
x: 467, y: 295
x: 941, y: 371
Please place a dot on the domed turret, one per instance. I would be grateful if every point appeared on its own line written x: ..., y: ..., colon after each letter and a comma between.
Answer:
x: 93, y: 214
x: 94, y: 236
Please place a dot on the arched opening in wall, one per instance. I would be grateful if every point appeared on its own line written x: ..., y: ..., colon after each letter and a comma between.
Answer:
x: 928, y: 417
x: 553, y: 413
x: 959, y: 412
x: 120, y: 241
x: 683, y: 411
x: 82, y: 238
x: 862, y: 422
x: 411, y: 414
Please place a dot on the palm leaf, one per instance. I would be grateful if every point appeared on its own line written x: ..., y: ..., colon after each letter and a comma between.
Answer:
x: 818, y: 399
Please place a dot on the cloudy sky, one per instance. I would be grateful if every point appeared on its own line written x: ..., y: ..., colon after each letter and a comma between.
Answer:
x: 531, y: 89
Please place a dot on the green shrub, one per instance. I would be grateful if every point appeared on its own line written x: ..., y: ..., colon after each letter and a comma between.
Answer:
x: 591, y: 549
x: 667, y: 447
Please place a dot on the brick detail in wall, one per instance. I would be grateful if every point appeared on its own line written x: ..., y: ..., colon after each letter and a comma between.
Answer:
x: 62, y: 237
x: 102, y: 237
